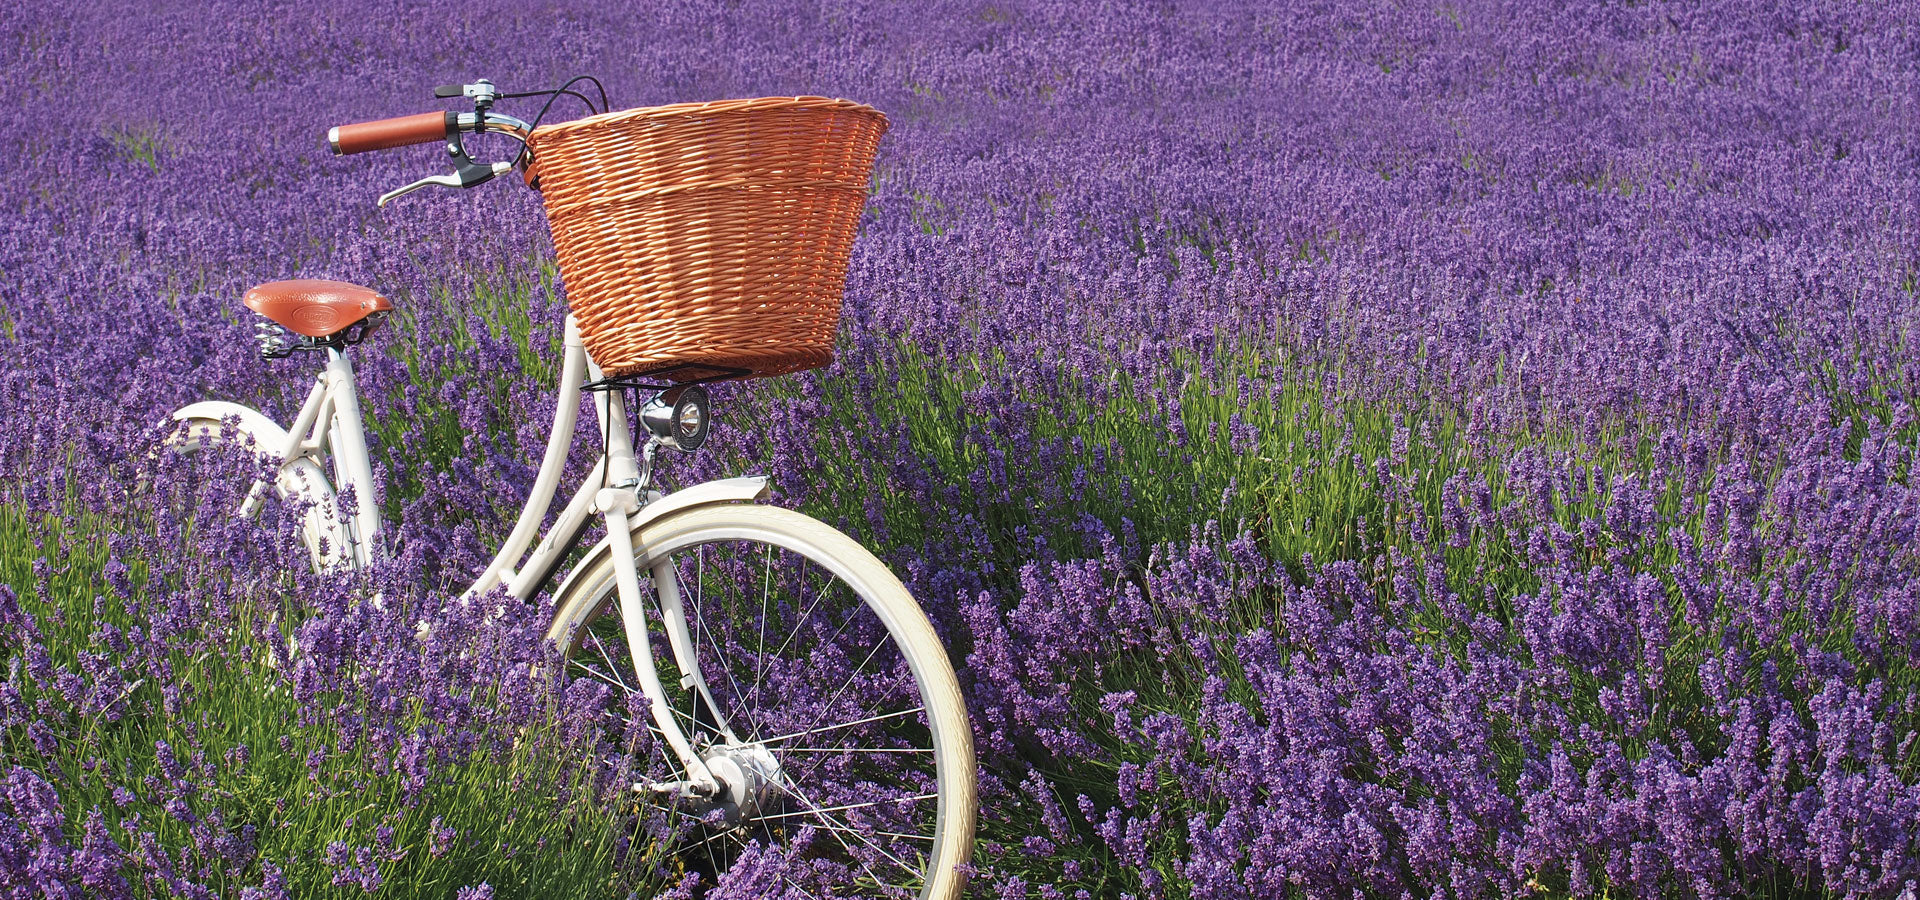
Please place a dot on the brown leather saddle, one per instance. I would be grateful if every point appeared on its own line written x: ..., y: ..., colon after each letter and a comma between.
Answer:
x: 314, y: 308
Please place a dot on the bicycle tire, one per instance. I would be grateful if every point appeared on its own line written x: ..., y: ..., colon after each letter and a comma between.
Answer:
x: 869, y: 842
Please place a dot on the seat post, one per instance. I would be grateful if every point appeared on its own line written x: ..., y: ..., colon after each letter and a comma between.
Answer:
x: 348, y: 439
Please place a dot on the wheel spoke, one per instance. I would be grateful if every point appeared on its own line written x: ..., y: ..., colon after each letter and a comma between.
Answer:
x: 601, y: 647
x: 844, y: 735
x: 760, y: 646
x: 799, y: 734
x: 836, y: 828
x: 857, y: 749
x: 804, y: 617
x: 868, y: 804
x: 822, y: 815
x: 720, y: 658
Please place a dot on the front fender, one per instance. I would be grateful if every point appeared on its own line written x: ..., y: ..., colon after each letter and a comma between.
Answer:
x: 751, y: 489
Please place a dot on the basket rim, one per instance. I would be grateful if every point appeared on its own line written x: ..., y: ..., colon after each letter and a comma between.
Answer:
x: 702, y: 108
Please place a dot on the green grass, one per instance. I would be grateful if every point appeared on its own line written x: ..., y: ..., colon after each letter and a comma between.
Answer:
x: 142, y: 145
x: 413, y: 430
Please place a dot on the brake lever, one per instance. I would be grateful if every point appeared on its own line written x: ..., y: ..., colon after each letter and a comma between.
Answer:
x: 452, y: 181
x: 466, y: 174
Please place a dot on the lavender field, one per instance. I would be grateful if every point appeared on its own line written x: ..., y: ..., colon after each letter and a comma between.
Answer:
x: 1350, y: 449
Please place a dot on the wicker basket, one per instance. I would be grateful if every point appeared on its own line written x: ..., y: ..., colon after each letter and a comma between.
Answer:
x: 708, y: 240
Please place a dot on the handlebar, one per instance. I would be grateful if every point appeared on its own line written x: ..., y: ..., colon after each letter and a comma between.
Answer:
x: 386, y: 134
x: 427, y: 128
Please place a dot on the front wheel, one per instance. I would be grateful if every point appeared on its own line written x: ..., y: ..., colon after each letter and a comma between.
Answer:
x: 813, y: 687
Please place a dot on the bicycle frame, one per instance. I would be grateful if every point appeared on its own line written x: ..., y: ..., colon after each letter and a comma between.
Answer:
x: 330, y: 424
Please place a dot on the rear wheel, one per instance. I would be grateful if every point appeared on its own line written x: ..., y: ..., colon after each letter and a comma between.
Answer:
x: 300, y: 484
x: 814, y: 689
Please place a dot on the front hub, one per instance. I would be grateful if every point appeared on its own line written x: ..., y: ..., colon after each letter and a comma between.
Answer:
x: 749, y: 778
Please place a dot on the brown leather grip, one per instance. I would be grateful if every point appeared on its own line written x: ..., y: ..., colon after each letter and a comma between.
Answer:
x: 387, y: 134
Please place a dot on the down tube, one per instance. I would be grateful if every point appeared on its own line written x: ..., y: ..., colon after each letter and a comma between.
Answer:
x: 566, y: 414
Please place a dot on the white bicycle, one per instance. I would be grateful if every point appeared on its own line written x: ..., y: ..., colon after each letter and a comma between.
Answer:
x: 805, y: 699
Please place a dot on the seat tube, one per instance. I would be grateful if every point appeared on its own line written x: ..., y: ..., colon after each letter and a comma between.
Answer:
x: 350, y: 453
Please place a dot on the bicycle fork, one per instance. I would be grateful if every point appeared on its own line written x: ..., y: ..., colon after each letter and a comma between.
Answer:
x: 617, y: 504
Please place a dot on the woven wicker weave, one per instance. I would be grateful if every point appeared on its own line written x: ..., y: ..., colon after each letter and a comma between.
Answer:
x: 708, y: 234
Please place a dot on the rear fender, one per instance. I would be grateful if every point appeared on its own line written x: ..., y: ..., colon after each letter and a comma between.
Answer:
x: 329, y: 539
x: 267, y: 436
